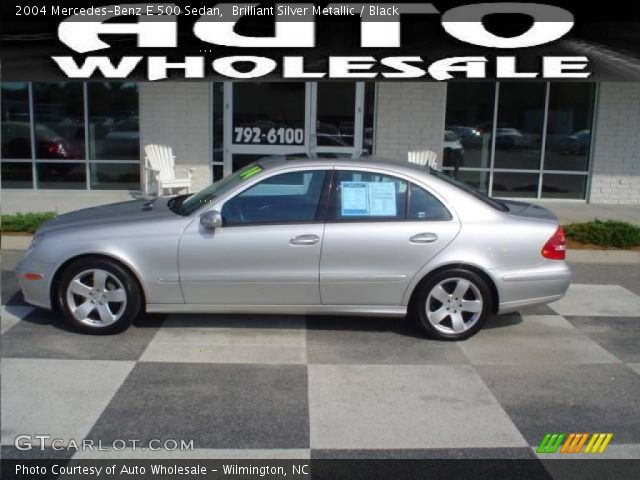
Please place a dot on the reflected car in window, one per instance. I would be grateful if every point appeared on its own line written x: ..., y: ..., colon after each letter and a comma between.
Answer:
x: 509, y: 138
x: 49, y: 144
x: 304, y: 236
x: 453, y: 151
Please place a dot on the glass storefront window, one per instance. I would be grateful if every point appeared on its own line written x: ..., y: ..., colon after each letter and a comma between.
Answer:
x: 16, y: 125
x: 519, y: 129
x: 518, y: 162
x: 218, y: 122
x: 268, y: 113
x: 510, y: 184
x: 17, y: 175
x: 218, y: 172
x: 115, y: 176
x: 62, y: 158
x: 59, y: 121
x: 61, y: 176
x: 369, y: 112
x: 476, y: 179
x: 469, y: 117
x: 114, y: 131
x: 556, y: 185
x: 569, y: 126
x: 242, y: 160
x: 336, y: 114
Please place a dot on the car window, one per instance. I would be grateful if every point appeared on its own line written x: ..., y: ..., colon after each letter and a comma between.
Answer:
x: 424, y: 206
x: 360, y: 195
x: 291, y: 197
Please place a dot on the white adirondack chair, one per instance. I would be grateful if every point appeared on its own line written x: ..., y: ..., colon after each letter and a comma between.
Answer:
x: 160, y: 164
x: 424, y: 158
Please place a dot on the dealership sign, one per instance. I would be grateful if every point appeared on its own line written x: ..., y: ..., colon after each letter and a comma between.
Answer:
x: 87, y: 30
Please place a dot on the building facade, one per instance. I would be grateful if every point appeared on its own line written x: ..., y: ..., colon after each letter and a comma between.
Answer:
x: 554, y: 140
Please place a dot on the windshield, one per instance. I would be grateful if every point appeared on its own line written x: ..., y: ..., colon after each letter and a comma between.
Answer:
x: 470, y: 190
x: 449, y: 136
x: 190, y: 204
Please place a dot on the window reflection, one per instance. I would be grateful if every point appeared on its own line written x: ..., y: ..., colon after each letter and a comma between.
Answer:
x: 336, y: 114
x: 509, y: 184
x: 60, y: 175
x: 16, y: 127
x: 569, y: 126
x: 564, y: 186
x: 470, y: 118
x: 115, y: 176
x: 519, y: 129
x: 17, y: 175
x: 519, y: 136
x: 114, y: 132
x: 59, y: 121
x: 369, y: 112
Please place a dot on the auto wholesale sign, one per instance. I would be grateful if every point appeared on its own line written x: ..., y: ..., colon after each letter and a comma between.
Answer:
x: 308, y: 41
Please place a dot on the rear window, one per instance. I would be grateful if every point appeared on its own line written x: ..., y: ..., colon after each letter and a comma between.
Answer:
x: 470, y: 190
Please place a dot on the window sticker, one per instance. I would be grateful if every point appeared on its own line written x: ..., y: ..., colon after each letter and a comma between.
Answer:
x: 355, y: 199
x: 382, y: 199
x: 250, y: 171
x: 368, y: 199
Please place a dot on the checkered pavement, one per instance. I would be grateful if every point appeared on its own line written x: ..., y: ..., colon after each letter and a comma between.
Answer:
x: 330, y: 387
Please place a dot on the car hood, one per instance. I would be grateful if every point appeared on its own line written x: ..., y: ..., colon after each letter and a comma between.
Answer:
x: 135, y: 211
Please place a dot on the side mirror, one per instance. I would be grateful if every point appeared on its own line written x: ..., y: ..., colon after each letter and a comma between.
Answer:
x: 211, y: 219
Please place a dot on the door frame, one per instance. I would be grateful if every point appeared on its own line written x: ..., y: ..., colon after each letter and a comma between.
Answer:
x: 309, y: 146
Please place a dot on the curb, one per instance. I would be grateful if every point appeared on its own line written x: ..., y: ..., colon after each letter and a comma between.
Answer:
x: 15, y: 242
x: 616, y: 257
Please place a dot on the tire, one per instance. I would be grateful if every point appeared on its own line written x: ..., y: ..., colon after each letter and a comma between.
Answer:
x: 92, y: 309
x: 437, y: 293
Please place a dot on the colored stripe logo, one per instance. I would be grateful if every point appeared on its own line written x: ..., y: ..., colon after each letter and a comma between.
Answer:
x: 574, y: 443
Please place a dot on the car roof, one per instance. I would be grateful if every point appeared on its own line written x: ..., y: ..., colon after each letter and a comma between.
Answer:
x: 413, y: 169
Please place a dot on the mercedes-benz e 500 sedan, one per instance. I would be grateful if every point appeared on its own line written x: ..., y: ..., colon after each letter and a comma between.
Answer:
x: 307, y: 237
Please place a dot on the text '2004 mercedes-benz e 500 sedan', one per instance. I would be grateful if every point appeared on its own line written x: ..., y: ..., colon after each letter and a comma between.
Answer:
x: 305, y: 236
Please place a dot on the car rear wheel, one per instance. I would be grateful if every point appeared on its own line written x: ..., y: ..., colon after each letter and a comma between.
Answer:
x: 453, y: 304
x: 98, y: 296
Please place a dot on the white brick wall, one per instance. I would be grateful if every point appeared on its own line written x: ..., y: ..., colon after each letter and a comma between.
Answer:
x: 410, y: 116
x: 616, y: 156
x: 178, y: 114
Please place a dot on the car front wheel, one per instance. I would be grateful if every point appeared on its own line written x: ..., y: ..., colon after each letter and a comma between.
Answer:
x: 98, y: 296
x: 453, y: 304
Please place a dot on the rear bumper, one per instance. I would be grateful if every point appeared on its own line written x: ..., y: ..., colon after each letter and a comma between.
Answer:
x: 527, y: 286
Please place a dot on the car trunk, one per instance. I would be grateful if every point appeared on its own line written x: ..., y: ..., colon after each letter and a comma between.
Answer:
x: 528, y: 210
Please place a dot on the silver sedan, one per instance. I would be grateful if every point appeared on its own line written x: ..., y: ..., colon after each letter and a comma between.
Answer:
x: 318, y: 236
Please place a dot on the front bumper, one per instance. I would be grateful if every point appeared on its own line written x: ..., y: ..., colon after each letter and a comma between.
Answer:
x: 527, y: 286
x: 36, y: 292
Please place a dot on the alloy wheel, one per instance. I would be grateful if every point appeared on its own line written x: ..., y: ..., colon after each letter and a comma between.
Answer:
x: 454, y: 305
x: 96, y: 298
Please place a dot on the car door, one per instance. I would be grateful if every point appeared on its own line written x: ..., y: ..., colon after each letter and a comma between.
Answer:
x: 267, y: 251
x: 381, y: 229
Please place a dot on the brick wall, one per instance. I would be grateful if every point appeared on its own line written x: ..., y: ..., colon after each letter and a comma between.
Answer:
x: 616, y: 155
x: 178, y: 114
x: 410, y: 116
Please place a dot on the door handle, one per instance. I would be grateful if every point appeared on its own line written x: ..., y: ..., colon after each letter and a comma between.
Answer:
x: 424, y: 238
x: 305, y: 240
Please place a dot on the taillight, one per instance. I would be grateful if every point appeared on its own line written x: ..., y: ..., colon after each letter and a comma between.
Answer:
x: 555, y: 248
